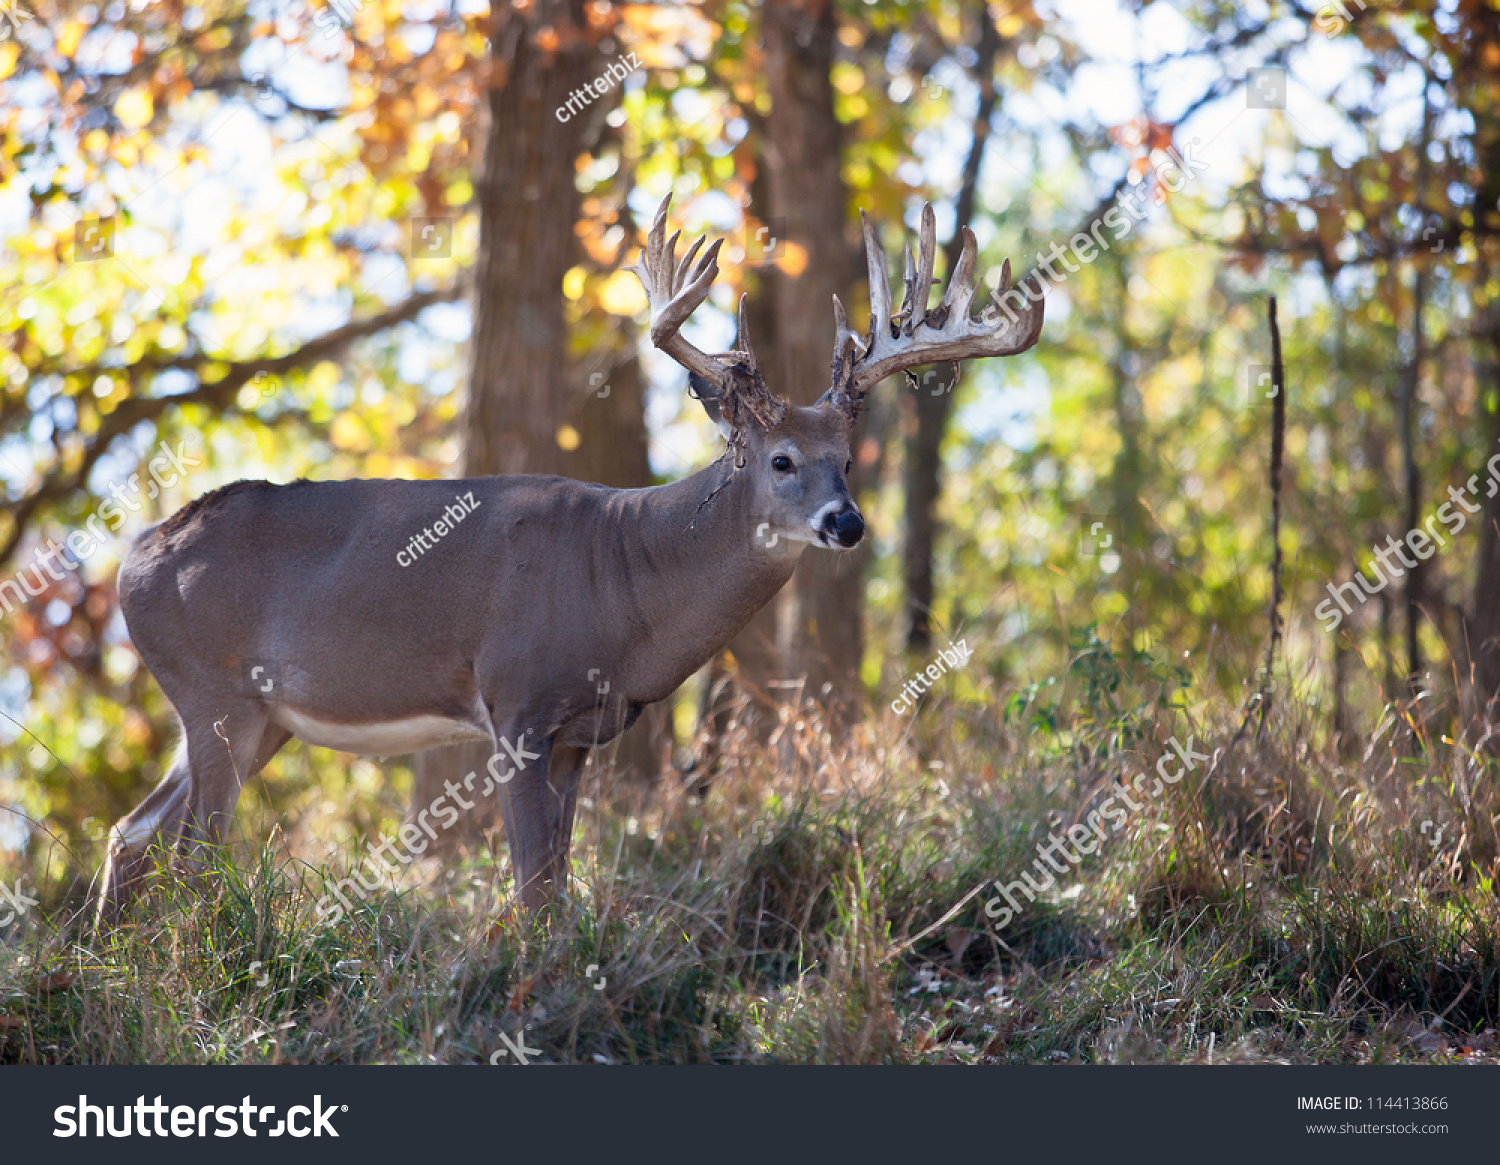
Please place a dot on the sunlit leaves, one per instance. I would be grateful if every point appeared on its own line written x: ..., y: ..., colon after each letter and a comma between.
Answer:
x: 622, y: 295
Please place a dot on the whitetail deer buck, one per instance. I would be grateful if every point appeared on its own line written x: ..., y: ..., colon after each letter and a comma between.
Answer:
x: 267, y: 612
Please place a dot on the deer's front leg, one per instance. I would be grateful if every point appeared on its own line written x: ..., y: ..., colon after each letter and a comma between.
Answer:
x: 539, y: 797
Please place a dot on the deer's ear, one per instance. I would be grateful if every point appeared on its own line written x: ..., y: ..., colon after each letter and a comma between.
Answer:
x: 705, y: 391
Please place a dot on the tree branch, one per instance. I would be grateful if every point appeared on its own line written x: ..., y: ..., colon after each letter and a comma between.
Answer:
x: 218, y: 394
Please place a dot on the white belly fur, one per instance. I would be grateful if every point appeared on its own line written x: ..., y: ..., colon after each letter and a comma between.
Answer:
x: 385, y: 738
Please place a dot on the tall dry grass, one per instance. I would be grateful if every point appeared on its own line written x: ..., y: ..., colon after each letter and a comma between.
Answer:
x: 825, y: 903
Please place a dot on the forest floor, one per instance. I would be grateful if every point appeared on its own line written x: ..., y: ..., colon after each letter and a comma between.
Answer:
x: 837, y: 903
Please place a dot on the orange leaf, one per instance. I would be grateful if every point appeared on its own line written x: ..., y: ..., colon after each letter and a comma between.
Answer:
x: 56, y: 981
x: 521, y: 994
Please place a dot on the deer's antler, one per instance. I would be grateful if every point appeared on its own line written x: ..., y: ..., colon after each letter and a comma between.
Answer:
x: 915, y: 335
x: 674, y: 291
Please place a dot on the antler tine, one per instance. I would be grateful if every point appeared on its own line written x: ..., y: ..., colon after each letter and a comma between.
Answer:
x: 658, y: 230
x: 909, y: 294
x: 927, y: 253
x: 961, y: 282
x: 687, y: 260
x: 674, y: 290
x: 847, y: 348
x: 742, y: 345
x: 674, y: 293
x: 927, y: 337
x: 844, y: 337
x: 841, y: 333
x: 880, y: 284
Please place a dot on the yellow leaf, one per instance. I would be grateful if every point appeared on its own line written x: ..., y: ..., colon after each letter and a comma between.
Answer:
x: 622, y: 295
x: 9, y: 51
x: 134, y: 108
x: 848, y: 79
x: 793, y: 259
x: 348, y: 433
x: 72, y: 33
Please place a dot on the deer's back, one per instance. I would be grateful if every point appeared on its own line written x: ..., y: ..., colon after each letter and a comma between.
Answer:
x: 331, y: 582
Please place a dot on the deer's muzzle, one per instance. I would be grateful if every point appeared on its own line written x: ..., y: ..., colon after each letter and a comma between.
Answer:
x: 845, y: 527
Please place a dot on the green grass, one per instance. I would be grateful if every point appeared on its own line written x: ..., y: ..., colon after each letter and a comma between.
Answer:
x: 1284, y: 906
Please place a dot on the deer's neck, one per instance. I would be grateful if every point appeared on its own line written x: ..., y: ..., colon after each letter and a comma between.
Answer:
x: 701, y: 573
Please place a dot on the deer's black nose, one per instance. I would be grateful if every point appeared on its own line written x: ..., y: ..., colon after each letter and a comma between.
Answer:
x: 846, y: 526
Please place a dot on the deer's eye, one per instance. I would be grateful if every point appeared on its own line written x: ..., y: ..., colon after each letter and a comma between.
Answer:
x: 848, y: 465
x: 781, y: 463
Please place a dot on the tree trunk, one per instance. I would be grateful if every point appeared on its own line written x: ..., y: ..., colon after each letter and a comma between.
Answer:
x: 819, y: 634
x: 1343, y: 738
x: 528, y: 207
x: 924, y: 449
x: 1411, y: 381
x: 1484, y: 622
x: 759, y: 658
x: 1387, y: 653
x: 519, y: 395
x: 1482, y: 632
x: 1129, y: 533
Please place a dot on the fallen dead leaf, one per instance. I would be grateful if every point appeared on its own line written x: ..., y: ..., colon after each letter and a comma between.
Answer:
x: 521, y: 993
x: 56, y: 981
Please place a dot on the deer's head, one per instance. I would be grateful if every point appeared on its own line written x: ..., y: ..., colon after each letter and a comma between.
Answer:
x: 799, y: 458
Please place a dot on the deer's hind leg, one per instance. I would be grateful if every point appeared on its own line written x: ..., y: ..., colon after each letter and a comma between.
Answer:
x: 225, y: 751
x: 192, y: 808
x: 155, y: 823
